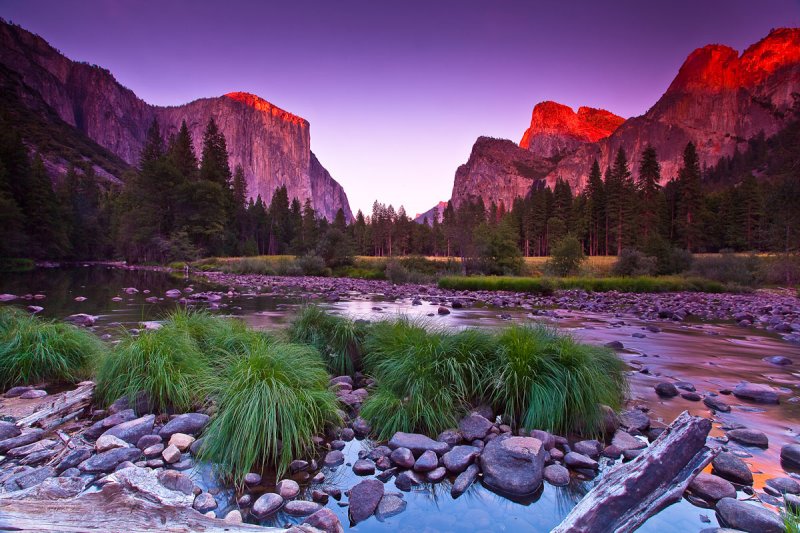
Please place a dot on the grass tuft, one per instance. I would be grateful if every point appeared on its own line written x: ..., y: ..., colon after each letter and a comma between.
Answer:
x: 543, y: 285
x: 33, y: 350
x: 338, y: 339
x: 271, y: 401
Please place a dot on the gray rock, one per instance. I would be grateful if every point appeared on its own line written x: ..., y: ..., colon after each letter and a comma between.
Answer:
x: 35, y: 477
x: 427, y: 461
x: 548, y: 440
x: 749, y: 437
x: 301, y: 508
x: 390, y: 505
x: 364, y: 499
x: 755, y: 392
x: 711, y: 488
x: 717, y: 404
x: 417, y: 443
x: 666, y: 390
x: 450, y: 436
x: 589, y: 448
x: 266, y: 505
x: 464, y: 480
x: 784, y: 485
x: 364, y: 467
x: 436, y: 475
x: 204, y: 502
x: 726, y: 465
x: 790, y: 454
x: 752, y: 518
x: 459, y: 458
x: 189, y: 423
x: 133, y: 430
x: 474, y: 427
x: 325, y: 520
x: 288, y: 489
x: 556, y: 475
x: 24, y: 439
x: 73, y: 459
x: 625, y: 441
x: 407, y: 479
x: 108, y: 461
x: 778, y: 360
x: 176, y: 481
x: 402, y: 457
x: 634, y: 419
x: 8, y: 430
x: 151, y: 452
x: 578, y: 460
x: 333, y: 458
x: 513, y: 464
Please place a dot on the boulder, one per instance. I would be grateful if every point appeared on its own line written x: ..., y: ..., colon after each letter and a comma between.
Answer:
x: 784, y: 485
x: 717, y: 404
x: 464, y: 480
x: 752, y: 518
x: 364, y: 499
x: 459, y: 458
x: 728, y: 466
x: 325, y: 520
x: 749, y: 437
x: 288, y: 489
x: 266, y: 505
x: 711, y: 488
x: 189, y: 423
x: 755, y: 392
x: 556, y: 475
x: 133, y: 430
x: 301, y: 508
x: 790, y: 454
x: 666, y: 390
x: 390, y: 505
x: 418, y: 444
x: 108, y: 461
x: 513, y: 465
x: 427, y: 461
x: 402, y: 457
x: 474, y: 427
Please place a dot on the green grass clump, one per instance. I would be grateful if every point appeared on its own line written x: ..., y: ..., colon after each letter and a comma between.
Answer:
x: 543, y: 285
x: 271, y: 401
x: 338, y: 339
x: 497, y: 283
x: 425, y: 378
x: 546, y: 380
x: 33, y: 350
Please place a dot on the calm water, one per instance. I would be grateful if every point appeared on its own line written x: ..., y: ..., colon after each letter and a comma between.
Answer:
x: 711, y: 356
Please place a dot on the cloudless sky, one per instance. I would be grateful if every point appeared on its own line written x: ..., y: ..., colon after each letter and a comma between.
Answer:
x: 397, y: 91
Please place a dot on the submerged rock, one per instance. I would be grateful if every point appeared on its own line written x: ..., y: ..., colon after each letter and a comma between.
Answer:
x: 732, y: 468
x: 756, y: 392
x: 390, y: 505
x: 364, y: 499
x: 464, y: 480
x: 266, y: 505
x: 513, y: 464
x: 417, y: 443
x: 460, y: 457
x: 749, y: 437
x: 790, y: 454
x: 711, y: 488
x: 752, y: 518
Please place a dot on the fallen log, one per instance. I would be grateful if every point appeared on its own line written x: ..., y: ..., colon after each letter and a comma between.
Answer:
x: 114, y: 508
x: 62, y: 408
x: 630, y: 493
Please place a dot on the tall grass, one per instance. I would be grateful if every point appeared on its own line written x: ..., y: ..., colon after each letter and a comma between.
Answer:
x: 425, y: 377
x: 271, y: 401
x: 338, y: 339
x: 546, y: 380
x: 33, y: 350
x: 544, y: 285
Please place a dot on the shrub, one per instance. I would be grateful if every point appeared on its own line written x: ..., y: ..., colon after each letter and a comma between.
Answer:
x: 669, y: 260
x: 336, y: 248
x: 566, y: 256
x: 727, y: 268
x: 632, y: 262
x: 396, y: 272
x: 271, y: 401
x: 33, y: 350
x: 783, y: 269
x: 338, y: 339
x: 545, y: 380
x: 498, y: 250
x: 425, y: 378
x: 312, y: 265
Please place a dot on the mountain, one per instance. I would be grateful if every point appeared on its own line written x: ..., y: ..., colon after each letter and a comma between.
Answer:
x: 272, y: 145
x: 556, y: 129
x: 439, y: 207
x: 718, y: 100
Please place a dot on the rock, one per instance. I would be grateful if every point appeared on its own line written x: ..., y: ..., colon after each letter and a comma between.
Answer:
x: 436, y: 475
x: 556, y: 475
x: 73, y: 472
x: 301, y: 508
x: 59, y: 488
x: 778, y: 360
x: 194, y: 449
x: 361, y: 427
x: 691, y: 396
x: 81, y: 319
x: 589, y: 448
x: 5, y: 297
x: 182, y: 441
x: 107, y: 461
x: 151, y: 452
x: 319, y: 496
x: 8, y: 430
x: 749, y: 437
x: 234, y: 517
x: 333, y: 458
x: 417, y: 443
x: 266, y: 505
x: 244, y: 500
x: 752, y: 518
x: 790, y: 454
x: 35, y: 477
x: 23, y: 439
x: 189, y: 423
x: 402, y: 457
x: 73, y: 459
x: 348, y: 434
x: 33, y: 394
x: 792, y: 502
x: 614, y: 345
x: 666, y: 390
x: 390, y: 505
x: 288, y: 489
x: 147, y: 441
x: 474, y: 427
x: 711, y: 488
x: 450, y: 436
x: 443, y: 310
x: 109, y: 442
x: 298, y: 465
x: 513, y: 464
x: 755, y: 392
x: 173, y: 293
x: 325, y: 520
x: 548, y: 440
x: 715, y: 403
x: 171, y: 454
x: 459, y: 458
x: 784, y: 485
x: 176, y: 481
x: 465, y: 479
x: 625, y: 441
x: 578, y: 460
x: 407, y: 479
x: 133, y: 430
x: 101, y: 426
x: 427, y: 461
x: 204, y: 502
x: 364, y: 467
x: 364, y: 499
x: 634, y: 419
x: 726, y: 465
x: 610, y: 421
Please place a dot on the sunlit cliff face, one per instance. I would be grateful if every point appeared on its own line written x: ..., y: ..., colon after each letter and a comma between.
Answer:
x: 587, y: 125
x: 262, y: 105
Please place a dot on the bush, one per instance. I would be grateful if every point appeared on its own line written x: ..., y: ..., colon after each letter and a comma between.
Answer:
x: 396, y: 272
x: 545, y: 380
x: 632, y: 262
x: 669, y: 260
x: 271, y: 401
x: 498, y: 250
x: 33, y: 350
x: 336, y: 248
x: 312, y: 265
x: 783, y: 269
x: 727, y: 268
x: 338, y: 339
x: 566, y: 256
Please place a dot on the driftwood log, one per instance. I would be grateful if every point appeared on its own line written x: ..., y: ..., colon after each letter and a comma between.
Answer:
x: 61, y: 409
x: 630, y: 493
x: 114, y: 509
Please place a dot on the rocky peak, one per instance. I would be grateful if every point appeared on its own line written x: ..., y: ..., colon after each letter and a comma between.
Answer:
x: 259, y: 104
x: 556, y: 129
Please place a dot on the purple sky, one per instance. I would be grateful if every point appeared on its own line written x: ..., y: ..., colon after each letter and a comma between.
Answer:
x: 397, y: 92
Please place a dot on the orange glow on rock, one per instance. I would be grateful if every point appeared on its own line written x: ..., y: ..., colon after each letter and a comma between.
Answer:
x: 262, y: 105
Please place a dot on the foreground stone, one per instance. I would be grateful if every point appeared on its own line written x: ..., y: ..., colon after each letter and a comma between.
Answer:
x: 732, y: 468
x: 364, y: 499
x: 464, y: 480
x: 711, y: 488
x: 513, y: 465
x: 325, y: 520
x: 418, y: 444
x: 756, y: 392
x: 133, y: 430
x: 266, y: 505
x: 790, y: 454
x: 752, y: 518
x: 390, y: 505
x: 188, y: 423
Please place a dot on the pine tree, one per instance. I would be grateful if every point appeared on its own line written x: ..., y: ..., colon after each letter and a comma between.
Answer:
x: 648, y: 186
x: 690, y: 197
x: 619, y: 192
x: 595, y: 192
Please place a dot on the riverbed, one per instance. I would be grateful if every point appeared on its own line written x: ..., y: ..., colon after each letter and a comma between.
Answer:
x: 712, y: 356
